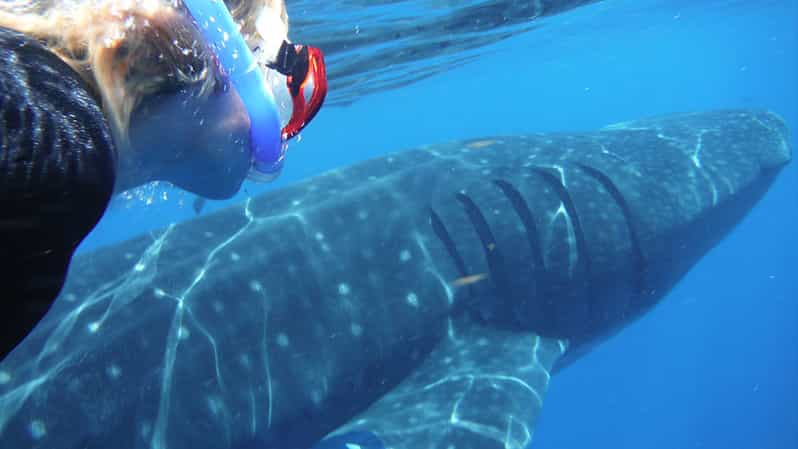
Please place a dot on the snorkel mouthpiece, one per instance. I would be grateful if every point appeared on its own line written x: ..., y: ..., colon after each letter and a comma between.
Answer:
x: 221, y: 33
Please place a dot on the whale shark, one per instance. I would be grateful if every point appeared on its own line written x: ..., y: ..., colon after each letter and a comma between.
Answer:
x: 425, y: 297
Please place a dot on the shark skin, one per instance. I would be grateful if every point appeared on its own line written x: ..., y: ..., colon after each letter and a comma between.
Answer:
x: 425, y: 296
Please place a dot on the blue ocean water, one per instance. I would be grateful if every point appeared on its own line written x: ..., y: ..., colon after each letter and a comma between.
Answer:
x: 716, y: 364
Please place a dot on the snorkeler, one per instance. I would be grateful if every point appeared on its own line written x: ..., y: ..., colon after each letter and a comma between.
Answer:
x: 100, y: 97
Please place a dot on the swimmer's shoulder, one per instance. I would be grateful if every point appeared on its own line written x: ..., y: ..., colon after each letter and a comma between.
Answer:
x: 57, y: 174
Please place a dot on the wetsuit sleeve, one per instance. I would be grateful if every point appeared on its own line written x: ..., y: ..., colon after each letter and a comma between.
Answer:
x: 57, y: 172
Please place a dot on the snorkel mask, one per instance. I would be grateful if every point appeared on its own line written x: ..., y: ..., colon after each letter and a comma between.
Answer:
x: 300, y: 64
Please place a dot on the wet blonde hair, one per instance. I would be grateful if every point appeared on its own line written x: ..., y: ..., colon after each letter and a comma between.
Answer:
x: 128, y: 49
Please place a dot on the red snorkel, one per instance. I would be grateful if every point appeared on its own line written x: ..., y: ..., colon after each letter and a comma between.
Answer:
x: 301, y: 64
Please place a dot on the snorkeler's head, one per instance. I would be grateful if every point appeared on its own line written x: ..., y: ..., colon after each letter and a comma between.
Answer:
x: 246, y: 88
x: 198, y: 141
x: 180, y: 86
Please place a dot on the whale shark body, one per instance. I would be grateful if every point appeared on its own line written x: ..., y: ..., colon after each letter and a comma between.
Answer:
x: 425, y: 297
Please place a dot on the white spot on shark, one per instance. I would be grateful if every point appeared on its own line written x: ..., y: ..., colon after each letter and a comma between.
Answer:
x: 315, y: 396
x: 412, y: 299
x: 343, y: 289
x: 255, y: 286
x: 93, y: 327
x: 5, y: 377
x: 405, y: 255
x: 113, y: 371
x: 245, y: 360
x: 356, y: 329
x: 235, y: 257
x: 282, y: 340
x: 37, y: 429
x: 214, y: 405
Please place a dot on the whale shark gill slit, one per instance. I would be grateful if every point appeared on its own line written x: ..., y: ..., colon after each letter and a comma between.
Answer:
x: 525, y: 215
x: 443, y: 234
x: 493, y: 255
x: 615, y: 192
x: 583, y: 258
x: 544, y: 309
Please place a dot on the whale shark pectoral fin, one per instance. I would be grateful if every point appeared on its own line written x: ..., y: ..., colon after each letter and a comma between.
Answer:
x: 480, y: 388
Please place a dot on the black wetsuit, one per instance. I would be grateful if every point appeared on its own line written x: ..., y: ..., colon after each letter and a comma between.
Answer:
x: 57, y: 172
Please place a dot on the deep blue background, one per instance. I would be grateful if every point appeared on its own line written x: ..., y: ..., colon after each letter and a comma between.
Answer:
x: 714, y: 366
